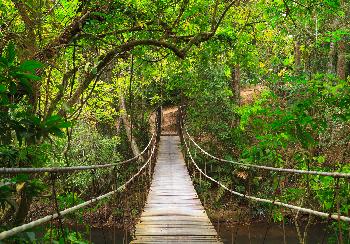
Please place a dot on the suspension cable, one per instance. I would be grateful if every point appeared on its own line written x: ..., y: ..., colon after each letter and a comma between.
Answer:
x: 18, y: 229
x: 296, y: 171
x: 278, y: 203
x: 72, y: 168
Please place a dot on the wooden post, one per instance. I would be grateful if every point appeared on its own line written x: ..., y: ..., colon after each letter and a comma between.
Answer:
x: 159, y: 123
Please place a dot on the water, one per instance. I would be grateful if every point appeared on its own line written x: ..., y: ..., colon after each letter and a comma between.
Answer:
x: 230, y: 234
x: 109, y: 235
x: 255, y: 234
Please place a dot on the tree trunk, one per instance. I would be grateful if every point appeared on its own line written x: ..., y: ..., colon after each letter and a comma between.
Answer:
x: 118, y: 124
x: 236, y: 90
x: 297, y: 56
x: 331, y: 58
x: 135, y: 149
x: 24, y: 203
x: 235, y: 83
x: 306, y: 58
x: 341, y: 64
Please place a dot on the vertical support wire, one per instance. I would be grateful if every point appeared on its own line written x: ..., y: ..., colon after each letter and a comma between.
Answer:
x: 239, y: 218
x: 54, y: 195
x: 329, y: 215
x: 249, y: 207
x: 237, y: 226
x: 282, y: 213
x: 272, y: 206
x: 340, y: 234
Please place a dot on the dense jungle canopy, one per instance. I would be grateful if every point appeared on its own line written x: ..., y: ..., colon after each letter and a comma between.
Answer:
x: 264, y: 82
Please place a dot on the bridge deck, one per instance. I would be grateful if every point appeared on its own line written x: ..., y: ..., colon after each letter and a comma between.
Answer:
x: 173, y: 212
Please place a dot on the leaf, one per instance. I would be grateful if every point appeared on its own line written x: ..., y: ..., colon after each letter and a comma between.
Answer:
x: 2, y: 88
x: 65, y: 124
x: 26, y: 84
x: 331, y: 3
x: 53, y: 119
x: 94, y: 70
x: 3, y: 61
x: 57, y: 132
x: 30, y: 65
x: 321, y: 159
x: 20, y: 75
x: 31, y: 236
x: 35, y: 120
x: 11, y: 53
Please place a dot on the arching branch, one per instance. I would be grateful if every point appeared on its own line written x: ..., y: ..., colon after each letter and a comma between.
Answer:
x: 128, y: 46
x: 52, y: 49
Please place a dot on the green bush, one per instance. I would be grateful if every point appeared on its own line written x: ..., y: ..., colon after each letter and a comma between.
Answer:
x: 86, y: 147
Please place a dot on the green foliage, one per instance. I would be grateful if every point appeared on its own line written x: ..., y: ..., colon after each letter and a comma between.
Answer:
x: 26, y: 237
x: 69, y: 199
x: 22, y: 131
x: 53, y: 235
x: 292, y: 49
x: 86, y: 147
x: 282, y: 127
x: 16, y: 115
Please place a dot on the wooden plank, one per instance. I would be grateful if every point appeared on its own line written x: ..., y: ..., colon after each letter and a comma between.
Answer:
x: 173, y: 211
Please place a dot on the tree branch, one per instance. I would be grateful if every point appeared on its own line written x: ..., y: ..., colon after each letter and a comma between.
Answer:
x: 182, y: 10
x: 213, y: 18
x: 222, y: 16
x: 60, y: 93
x: 52, y: 49
x: 22, y: 9
x: 128, y: 46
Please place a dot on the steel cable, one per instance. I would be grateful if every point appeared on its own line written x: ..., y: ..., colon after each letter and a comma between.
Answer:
x: 295, y: 171
x: 72, y: 168
x: 278, y: 203
x: 18, y: 229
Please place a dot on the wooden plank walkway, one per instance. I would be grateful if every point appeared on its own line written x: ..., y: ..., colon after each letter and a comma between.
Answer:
x: 173, y: 212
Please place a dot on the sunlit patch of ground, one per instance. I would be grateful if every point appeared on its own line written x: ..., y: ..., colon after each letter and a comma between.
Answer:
x: 248, y: 94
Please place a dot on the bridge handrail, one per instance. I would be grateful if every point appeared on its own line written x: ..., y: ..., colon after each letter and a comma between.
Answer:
x: 18, y: 229
x: 275, y: 202
x: 295, y: 171
x: 72, y: 168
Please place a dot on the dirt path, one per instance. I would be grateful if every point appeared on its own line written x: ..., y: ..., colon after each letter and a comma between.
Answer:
x: 169, y: 120
x: 248, y: 94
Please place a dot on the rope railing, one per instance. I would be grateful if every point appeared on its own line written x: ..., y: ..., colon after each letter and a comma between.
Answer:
x: 72, y: 168
x: 258, y: 199
x: 288, y: 170
x: 18, y: 229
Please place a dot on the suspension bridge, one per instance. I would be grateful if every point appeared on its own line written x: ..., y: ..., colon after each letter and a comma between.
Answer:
x: 173, y: 211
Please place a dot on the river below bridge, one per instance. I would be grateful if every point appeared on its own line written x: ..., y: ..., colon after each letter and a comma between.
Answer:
x: 230, y: 234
